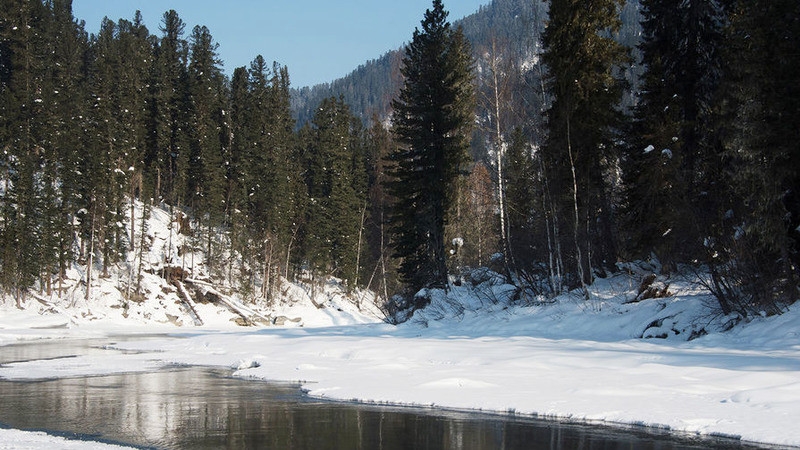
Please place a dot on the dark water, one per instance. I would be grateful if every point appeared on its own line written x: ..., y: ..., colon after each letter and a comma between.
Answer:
x: 194, y: 408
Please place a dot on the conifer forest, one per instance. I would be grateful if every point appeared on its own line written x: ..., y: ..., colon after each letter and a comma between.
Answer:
x: 547, y: 140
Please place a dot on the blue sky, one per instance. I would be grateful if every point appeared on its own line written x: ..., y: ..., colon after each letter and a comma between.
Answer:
x: 319, y: 40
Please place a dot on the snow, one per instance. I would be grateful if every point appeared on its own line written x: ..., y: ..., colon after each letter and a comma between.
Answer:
x: 476, y: 349
x: 34, y: 440
x: 669, y: 361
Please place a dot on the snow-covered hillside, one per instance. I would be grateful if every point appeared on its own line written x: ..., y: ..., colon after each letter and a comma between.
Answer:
x: 191, y: 296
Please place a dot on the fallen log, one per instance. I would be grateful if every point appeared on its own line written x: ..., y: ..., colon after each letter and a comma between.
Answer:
x: 249, y: 315
x: 187, y: 299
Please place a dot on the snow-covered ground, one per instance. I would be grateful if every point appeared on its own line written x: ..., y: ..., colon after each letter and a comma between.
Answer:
x: 36, y: 440
x: 668, y: 362
x: 476, y: 349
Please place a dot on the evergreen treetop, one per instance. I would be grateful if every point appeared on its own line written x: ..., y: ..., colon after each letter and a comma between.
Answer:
x: 433, y: 117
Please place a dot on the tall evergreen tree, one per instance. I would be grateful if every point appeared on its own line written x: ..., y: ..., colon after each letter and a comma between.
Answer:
x: 167, y: 149
x: 104, y: 191
x: 671, y: 163
x: 62, y: 94
x: 520, y: 198
x: 205, y: 170
x: 136, y: 50
x: 237, y: 139
x: 42, y: 92
x: 433, y: 118
x: 117, y: 75
x: 207, y: 99
x: 580, y: 153
x: 269, y: 166
x: 756, y: 251
x: 335, y: 176
x: 235, y: 191
x: 24, y: 50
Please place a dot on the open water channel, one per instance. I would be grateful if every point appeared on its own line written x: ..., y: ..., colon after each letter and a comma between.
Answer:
x: 198, y: 407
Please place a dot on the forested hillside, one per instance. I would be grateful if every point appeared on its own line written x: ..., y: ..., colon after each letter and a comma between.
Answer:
x: 506, y: 38
x: 91, y: 122
x: 592, y: 132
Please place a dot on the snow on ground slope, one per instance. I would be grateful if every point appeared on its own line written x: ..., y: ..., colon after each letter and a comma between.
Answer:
x: 23, y: 440
x: 113, y: 296
x: 609, y: 358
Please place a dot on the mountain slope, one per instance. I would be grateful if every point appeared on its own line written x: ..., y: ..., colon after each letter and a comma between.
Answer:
x: 167, y: 282
x: 507, y: 32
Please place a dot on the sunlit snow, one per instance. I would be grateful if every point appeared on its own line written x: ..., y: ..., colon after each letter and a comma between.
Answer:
x: 671, y: 362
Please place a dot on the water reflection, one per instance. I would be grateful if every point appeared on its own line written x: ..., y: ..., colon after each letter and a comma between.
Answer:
x: 190, y: 407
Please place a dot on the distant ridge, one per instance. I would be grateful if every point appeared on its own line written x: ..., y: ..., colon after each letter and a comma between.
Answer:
x: 514, y: 26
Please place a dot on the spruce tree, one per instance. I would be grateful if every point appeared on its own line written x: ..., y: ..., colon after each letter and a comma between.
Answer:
x: 671, y: 162
x: 207, y: 95
x: 433, y: 117
x: 61, y: 95
x: 268, y: 165
x: 119, y: 62
x: 20, y: 36
x: 237, y: 139
x: 756, y: 249
x: 137, y: 59
x: 580, y: 153
x: 104, y: 191
x: 205, y: 170
x: 520, y: 198
x: 335, y: 177
x: 167, y: 149
x: 33, y: 151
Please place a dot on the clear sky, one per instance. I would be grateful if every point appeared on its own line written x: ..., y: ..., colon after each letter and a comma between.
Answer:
x: 318, y: 40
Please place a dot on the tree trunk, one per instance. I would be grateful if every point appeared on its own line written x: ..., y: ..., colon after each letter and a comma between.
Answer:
x: 553, y: 236
x: 500, y: 150
x: 358, y: 250
x: 90, y: 259
x: 577, y: 224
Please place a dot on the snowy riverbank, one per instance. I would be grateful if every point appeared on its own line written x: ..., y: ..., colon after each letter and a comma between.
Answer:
x: 33, y: 440
x: 584, y: 360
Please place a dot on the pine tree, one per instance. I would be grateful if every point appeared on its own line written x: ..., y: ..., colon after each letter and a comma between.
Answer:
x: 520, y: 198
x: 100, y: 162
x: 580, y: 152
x: 137, y: 51
x: 119, y: 62
x: 433, y: 117
x: 235, y: 194
x: 335, y: 177
x: 671, y: 163
x: 207, y: 98
x: 63, y: 98
x: 235, y: 191
x: 21, y: 36
x: 167, y: 149
x: 40, y: 140
x: 205, y: 170
x: 756, y: 251
x: 270, y: 168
